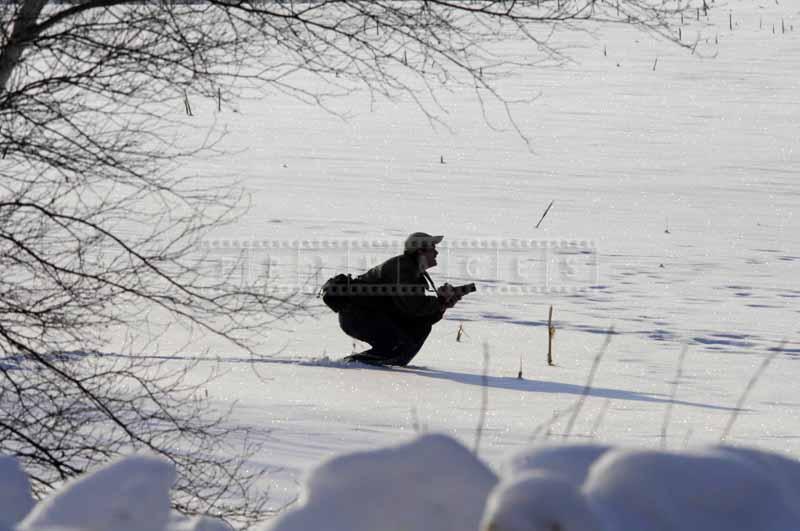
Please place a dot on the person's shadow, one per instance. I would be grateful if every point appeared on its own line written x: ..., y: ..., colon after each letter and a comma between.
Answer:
x: 492, y: 382
x: 533, y: 386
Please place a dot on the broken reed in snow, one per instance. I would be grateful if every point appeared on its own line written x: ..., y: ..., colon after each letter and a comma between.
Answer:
x: 545, y: 213
x: 186, y: 104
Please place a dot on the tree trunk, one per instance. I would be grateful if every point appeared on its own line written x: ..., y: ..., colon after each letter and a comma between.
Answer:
x: 24, y: 26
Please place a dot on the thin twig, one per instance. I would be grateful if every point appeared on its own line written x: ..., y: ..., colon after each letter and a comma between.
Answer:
x: 484, y: 398
x: 545, y: 213
x: 756, y: 376
x: 551, y: 331
x: 546, y: 427
x: 598, y: 421
x: 588, y: 387
x: 673, y: 393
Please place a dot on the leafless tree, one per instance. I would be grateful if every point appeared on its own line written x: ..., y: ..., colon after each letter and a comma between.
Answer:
x: 99, y: 232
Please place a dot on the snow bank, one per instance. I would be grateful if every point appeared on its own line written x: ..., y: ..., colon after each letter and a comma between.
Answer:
x: 129, y: 494
x: 571, y: 461
x: 433, y: 483
x: 714, y: 489
x: 430, y: 483
x: 197, y: 523
x: 15, y: 493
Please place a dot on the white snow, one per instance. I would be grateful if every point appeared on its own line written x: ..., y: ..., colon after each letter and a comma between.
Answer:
x: 127, y: 494
x: 15, y: 493
x: 572, y: 462
x: 435, y: 483
x: 196, y: 523
x: 130, y: 494
x: 675, y: 221
x: 432, y: 482
x: 711, y: 489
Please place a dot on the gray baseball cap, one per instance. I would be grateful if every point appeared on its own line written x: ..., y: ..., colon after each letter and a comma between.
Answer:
x: 420, y: 240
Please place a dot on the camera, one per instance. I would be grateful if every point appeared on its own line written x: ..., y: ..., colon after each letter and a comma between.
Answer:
x: 456, y: 292
x: 462, y: 290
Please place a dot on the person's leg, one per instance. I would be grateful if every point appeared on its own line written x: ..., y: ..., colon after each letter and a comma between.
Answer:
x: 372, y: 328
x: 392, y: 343
x: 410, y: 344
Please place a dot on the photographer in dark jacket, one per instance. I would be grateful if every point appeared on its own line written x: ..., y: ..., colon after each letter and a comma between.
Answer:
x: 396, y: 317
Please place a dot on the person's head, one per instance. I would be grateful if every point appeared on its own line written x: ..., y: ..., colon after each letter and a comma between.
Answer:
x: 423, y: 247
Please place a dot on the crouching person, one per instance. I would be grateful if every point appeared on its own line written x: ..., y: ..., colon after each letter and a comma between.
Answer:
x: 396, y: 313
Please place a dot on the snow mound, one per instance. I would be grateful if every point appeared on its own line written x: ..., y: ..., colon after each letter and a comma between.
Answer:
x: 714, y: 489
x: 433, y: 483
x: 429, y: 483
x: 15, y: 493
x: 130, y: 494
x: 572, y: 462
x: 179, y: 522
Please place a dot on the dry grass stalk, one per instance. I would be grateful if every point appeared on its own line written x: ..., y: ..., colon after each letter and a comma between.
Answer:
x: 484, y: 398
x: 545, y: 213
x: 551, y: 331
x: 743, y: 398
x: 673, y: 393
x: 588, y: 387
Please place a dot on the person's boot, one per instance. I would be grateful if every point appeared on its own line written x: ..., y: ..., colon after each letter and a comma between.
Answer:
x: 366, y: 357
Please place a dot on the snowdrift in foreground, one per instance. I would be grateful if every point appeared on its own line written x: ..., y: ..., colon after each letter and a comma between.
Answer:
x: 15, y: 493
x: 597, y: 488
x: 430, y: 483
x: 433, y: 483
x: 130, y: 494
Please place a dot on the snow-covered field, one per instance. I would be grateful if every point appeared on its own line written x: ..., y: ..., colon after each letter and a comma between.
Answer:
x: 704, y: 147
x: 674, y: 223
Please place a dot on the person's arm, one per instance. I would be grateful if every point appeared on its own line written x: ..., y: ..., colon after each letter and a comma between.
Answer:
x: 416, y: 304
x: 448, y: 296
x: 419, y: 305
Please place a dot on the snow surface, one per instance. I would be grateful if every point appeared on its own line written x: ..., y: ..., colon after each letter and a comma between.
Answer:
x: 675, y: 221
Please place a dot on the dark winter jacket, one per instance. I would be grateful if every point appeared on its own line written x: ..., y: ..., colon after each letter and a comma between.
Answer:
x: 406, y: 285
